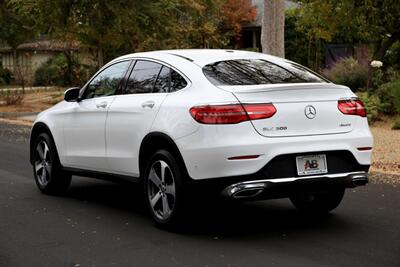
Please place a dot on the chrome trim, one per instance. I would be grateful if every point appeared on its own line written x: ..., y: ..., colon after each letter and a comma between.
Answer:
x: 260, y: 185
x: 292, y: 179
x: 238, y: 188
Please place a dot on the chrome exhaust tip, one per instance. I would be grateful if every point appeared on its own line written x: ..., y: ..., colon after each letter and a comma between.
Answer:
x: 359, y: 179
x: 241, y: 190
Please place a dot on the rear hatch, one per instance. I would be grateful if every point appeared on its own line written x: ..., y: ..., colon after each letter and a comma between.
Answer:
x: 301, y: 109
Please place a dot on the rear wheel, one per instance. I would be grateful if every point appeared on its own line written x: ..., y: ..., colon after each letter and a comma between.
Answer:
x: 164, y: 189
x: 47, y: 170
x: 322, y: 202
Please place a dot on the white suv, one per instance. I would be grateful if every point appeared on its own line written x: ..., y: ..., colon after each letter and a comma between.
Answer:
x: 246, y: 125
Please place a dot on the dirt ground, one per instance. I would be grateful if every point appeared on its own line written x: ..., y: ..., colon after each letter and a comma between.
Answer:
x: 386, y: 152
x: 34, y: 101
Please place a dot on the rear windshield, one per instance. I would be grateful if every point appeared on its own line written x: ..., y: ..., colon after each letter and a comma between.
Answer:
x: 258, y: 71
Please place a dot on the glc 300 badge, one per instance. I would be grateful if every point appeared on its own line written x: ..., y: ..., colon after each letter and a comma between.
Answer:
x: 310, y: 112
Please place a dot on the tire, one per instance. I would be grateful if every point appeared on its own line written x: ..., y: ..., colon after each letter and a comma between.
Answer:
x: 319, y: 203
x: 47, y: 170
x: 164, y: 190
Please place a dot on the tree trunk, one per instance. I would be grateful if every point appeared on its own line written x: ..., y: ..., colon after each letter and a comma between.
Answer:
x: 273, y: 28
x: 69, y: 57
x: 100, y: 56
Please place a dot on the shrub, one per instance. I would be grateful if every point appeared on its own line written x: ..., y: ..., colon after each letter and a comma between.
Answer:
x: 55, y: 72
x: 372, y: 104
x: 396, y: 124
x: 6, y: 76
x: 392, y: 74
x: 348, y: 72
x: 392, y: 57
x: 377, y: 77
x: 389, y: 94
x: 11, y: 97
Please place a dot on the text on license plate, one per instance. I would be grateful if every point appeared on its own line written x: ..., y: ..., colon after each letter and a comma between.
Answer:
x: 311, y: 164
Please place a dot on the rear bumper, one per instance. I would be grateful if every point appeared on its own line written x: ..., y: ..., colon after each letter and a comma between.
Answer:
x: 285, y: 187
x: 206, y: 153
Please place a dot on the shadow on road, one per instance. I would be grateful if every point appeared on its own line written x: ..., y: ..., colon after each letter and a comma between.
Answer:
x: 214, y: 216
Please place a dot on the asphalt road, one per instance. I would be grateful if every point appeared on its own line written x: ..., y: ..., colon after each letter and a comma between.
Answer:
x: 103, y: 224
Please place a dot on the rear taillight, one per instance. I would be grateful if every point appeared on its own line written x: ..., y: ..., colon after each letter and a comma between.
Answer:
x: 232, y: 113
x: 352, y: 107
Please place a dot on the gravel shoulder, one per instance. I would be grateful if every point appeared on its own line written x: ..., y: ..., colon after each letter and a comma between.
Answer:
x: 386, y: 153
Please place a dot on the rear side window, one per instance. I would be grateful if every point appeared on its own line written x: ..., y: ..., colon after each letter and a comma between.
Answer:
x: 177, y: 81
x: 163, y: 81
x: 143, y: 77
x: 258, y: 71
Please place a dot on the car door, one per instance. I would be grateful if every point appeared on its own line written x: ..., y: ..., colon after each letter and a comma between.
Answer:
x: 84, y: 122
x: 131, y: 115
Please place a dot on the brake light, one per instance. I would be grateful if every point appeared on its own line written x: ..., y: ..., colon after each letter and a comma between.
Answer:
x: 231, y: 113
x: 352, y: 107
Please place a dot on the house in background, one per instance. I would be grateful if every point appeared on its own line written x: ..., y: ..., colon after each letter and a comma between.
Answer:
x: 251, y: 32
x: 32, y: 55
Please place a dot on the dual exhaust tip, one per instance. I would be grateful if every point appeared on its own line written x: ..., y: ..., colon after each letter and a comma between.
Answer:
x: 252, y: 189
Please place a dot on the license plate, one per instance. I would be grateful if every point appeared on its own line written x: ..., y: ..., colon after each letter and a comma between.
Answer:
x: 311, y: 164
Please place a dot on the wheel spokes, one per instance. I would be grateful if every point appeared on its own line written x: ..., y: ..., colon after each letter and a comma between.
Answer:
x: 43, y: 177
x: 48, y: 168
x: 40, y: 151
x: 170, y: 189
x: 164, y: 166
x: 154, y: 178
x: 45, y: 151
x: 155, y: 199
x: 165, y: 204
x: 38, y: 166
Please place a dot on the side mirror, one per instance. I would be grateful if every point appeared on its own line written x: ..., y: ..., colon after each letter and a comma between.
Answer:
x: 72, y: 94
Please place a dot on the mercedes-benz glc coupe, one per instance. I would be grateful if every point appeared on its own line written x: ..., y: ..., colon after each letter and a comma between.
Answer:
x: 241, y: 124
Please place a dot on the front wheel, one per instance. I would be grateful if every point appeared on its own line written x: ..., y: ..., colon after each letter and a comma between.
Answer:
x: 164, y: 189
x: 322, y: 202
x: 49, y: 176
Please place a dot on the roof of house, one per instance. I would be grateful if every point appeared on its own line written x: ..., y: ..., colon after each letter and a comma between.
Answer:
x: 44, y: 45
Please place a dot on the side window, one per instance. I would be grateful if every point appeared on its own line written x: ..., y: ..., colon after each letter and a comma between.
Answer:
x: 107, y: 81
x: 143, y: 77
x: 177, y: 81
x: 163, y: 81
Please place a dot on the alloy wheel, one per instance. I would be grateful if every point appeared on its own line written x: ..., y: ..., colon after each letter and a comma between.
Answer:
x: 161, y: 190
x: 43, y: 163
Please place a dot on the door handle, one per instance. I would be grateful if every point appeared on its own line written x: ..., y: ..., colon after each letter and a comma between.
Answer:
x: 102, y: 105
x: 148, y: 104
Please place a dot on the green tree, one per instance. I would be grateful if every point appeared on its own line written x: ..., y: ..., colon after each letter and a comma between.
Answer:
x: 113, y: 27
x: 15, y: 30
x: 367, y: 21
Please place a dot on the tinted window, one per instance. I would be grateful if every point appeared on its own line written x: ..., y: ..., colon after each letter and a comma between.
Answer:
x: 177, y: 81
x: 257, y: 71
x: 107, y: 81
x: 163, y: 81
x: 143, y: 77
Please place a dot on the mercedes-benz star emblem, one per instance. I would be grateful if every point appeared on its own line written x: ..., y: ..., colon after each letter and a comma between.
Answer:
x: 310, y: 112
